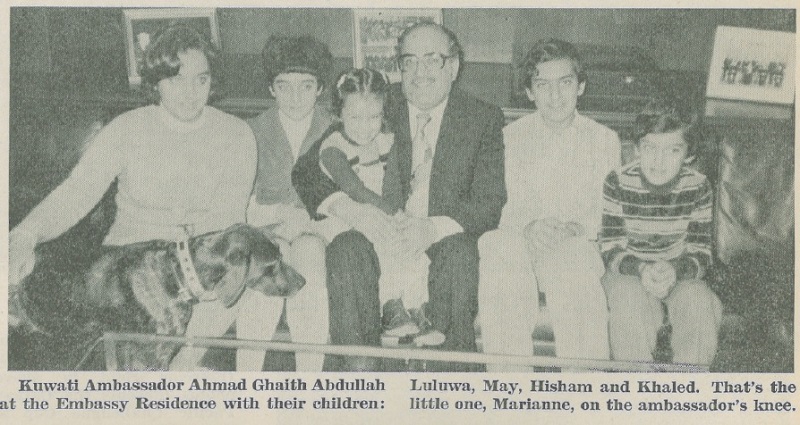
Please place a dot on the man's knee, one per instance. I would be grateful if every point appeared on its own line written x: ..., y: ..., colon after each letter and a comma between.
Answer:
x: 460, y: 249
x: 347, y: 242
x: 348, y: 251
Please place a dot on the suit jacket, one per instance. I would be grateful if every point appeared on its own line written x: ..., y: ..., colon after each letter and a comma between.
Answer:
x: 275, y: 159
x: 467, y: 177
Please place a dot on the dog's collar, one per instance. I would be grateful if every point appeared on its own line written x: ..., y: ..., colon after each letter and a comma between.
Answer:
x: 190, y: 285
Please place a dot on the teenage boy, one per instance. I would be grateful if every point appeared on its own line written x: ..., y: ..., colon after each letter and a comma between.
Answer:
x: 555, y: 162
x: 656, y: 243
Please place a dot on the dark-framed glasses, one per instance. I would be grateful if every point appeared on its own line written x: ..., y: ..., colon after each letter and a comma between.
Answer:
x: 409, y: 62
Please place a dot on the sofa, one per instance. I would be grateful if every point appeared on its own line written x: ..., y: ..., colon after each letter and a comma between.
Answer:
x: 750, y: 162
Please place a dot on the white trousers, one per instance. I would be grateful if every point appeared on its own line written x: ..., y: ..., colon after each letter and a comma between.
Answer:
x: 257, y: 315
x: 510, y: 280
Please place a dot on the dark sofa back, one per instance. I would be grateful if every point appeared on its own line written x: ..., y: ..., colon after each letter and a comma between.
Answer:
x: 754, y: 211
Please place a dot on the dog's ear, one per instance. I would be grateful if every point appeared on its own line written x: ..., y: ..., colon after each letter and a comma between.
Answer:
x: 269, y: 231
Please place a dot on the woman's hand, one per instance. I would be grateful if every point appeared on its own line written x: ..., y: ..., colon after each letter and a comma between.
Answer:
x: 21, y: 256
x: 21, y: 259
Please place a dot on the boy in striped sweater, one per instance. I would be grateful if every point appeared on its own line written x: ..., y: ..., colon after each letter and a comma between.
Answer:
x: 656, y: 244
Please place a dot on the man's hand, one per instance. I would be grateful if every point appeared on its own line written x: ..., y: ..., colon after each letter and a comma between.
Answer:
x: 373, y: 223
x: 545, y: 234
x: 416, y: 233
x: 658, y: 278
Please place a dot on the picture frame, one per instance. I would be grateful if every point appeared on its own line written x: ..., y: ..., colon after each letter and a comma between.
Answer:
x: 141, y: 25
x: 752, y: 65
x: 375, y: 33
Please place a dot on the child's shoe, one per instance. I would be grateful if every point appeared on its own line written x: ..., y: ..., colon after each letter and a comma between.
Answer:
x: 428, y: 336
x: 396, y: 321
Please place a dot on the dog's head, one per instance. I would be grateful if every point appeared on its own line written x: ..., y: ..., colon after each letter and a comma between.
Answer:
x: 242, y: 257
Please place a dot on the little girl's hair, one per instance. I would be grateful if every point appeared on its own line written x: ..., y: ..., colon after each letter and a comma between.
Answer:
x: 360, y: 81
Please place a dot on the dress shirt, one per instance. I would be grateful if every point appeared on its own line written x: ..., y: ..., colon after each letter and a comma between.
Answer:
x: 417, y: 203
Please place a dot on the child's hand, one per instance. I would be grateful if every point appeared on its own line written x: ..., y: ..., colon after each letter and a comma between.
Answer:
x: 574, y: 229
x: 658, y: 278
x: 368, y: 219
x: 545, y: 234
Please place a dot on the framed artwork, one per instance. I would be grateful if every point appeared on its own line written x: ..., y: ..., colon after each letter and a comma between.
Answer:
x: 752, y: 65
x: 142, y: 24
x: 375, y: 35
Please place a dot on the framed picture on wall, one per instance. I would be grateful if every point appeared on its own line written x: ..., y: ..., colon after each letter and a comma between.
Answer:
x: 375, y: 35
x: 752, y: 65
x: 142, y: 24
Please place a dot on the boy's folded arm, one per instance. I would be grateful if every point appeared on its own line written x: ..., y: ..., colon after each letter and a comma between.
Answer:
x: 631, y: 265
x: 618, y: 260
x: 690, y: 266
x: 337, y: 165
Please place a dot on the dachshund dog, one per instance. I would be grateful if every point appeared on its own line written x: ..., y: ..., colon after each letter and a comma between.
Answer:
x: 144, y: 287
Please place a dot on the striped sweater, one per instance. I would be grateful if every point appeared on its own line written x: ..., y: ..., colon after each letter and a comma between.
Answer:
x: 645, y: 223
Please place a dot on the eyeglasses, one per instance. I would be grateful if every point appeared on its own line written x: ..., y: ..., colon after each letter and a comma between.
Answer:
x: 409, y: 62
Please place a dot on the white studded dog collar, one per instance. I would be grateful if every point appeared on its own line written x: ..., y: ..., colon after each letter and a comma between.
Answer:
x: 191, y: 281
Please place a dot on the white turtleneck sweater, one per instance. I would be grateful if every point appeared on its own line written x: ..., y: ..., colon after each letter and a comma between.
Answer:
x: 171, y: 173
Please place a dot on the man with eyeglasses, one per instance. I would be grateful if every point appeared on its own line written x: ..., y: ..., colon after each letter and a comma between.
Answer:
x: 445, y: 172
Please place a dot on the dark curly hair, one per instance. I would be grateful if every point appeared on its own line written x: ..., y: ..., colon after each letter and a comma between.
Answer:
x: 548, y: 50
x: 161, y: 56
x: 667, y: 116
x: 305, y: 55
x: 361, y: 81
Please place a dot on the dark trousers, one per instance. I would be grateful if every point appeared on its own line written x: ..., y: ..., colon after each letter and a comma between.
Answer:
x: 353, y: 271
